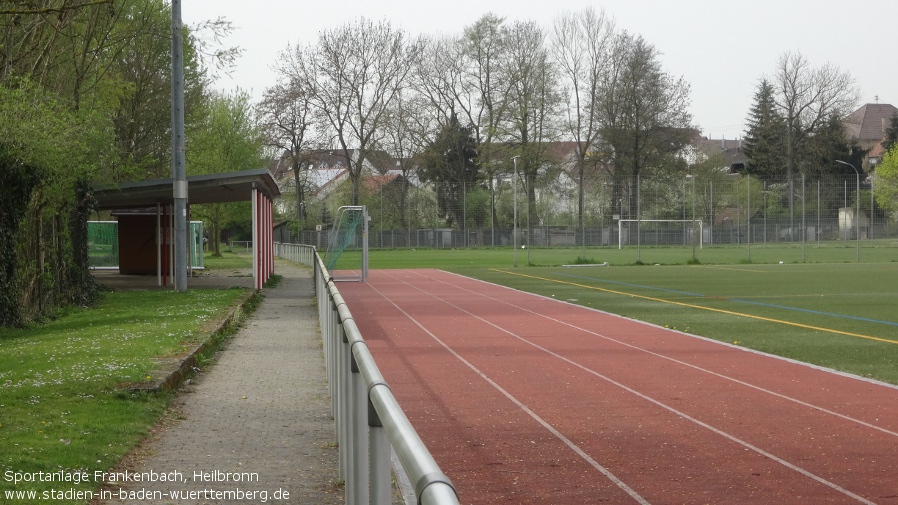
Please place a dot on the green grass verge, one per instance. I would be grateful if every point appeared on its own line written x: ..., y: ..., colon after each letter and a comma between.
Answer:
x: 227, y: 261
x: 61, y: 407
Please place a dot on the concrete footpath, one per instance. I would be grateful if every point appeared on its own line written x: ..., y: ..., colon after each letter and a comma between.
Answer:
x: 256, y: 426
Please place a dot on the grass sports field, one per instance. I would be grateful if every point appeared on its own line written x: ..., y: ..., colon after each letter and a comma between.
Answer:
x: 839, y: 314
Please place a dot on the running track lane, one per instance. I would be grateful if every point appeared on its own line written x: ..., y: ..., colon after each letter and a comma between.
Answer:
x: 525, y: 399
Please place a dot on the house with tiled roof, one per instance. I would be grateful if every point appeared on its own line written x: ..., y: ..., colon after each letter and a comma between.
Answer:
x: 867, y: 125
x: 325, y: 169
x: 729, y: 150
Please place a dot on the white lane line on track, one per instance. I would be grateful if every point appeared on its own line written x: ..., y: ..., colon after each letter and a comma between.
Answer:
x: 574, y: 447
x: 674, y: 360
x: 630, y: 390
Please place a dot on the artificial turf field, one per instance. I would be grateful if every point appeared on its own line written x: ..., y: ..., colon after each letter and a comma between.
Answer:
x: 841, y: 315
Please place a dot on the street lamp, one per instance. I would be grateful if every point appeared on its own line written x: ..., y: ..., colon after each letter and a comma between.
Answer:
x: 857, y: 215
x: 515, y: 224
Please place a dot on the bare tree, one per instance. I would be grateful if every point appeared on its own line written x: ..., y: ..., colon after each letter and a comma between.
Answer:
x: 532, y: 103
x: 438, y: 78
x: 359, y: 69
x: 406, y: 133
x: 806, y: 98
x: 485, y: 46
x: 287, y: 121
x: 580, y: 45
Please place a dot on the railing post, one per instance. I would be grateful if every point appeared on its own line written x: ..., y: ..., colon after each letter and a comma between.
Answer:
x: 378, y: 455
x: 359, y: 435
x: 341, y: 397
x: 328, y: 338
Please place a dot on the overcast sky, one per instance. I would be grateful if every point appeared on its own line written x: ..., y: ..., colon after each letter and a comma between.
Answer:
x: 721, y: 48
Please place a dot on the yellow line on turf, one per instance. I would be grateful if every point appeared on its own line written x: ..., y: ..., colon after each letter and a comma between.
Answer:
x: 702, y: 307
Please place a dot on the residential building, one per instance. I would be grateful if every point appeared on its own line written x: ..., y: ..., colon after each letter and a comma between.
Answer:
x: 867, y: 125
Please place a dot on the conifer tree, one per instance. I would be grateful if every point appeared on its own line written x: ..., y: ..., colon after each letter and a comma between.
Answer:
x: 763, y: 146
x: 830, y: 143
x: 450, y: 162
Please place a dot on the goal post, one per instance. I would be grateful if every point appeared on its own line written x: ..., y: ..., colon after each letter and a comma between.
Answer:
x: 689, y: 229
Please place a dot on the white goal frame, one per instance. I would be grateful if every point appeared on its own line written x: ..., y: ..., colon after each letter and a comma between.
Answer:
x: 620, y: 228
x: 333, y: 252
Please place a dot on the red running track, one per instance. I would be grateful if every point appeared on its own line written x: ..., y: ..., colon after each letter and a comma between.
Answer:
x: 524, y: 399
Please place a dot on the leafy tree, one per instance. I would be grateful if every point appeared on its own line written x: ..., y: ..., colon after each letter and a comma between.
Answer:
x: 142, y: 119
x: 84, y: 100
x: 644, y: 118
x: 227, y: 140
x: 891, y: 134
x: 112, y: 57
x: 17, y: 181
x: 763, y: 145
x: 887, y: 182
x: 43, y: 205
x: 477, y: 206
x: 450, y: 163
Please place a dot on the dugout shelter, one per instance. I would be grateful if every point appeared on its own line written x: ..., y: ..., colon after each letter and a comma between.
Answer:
x: 149, y: 240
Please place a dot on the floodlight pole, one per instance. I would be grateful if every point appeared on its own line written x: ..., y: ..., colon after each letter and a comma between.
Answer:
x: 748, y: 213
x: 857, y: 214
x: 692, y: 178
x: 515, y: 224
x: 179, y: 174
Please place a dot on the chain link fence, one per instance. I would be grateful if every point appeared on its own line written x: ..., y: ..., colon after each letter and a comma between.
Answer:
x: 715, y: 210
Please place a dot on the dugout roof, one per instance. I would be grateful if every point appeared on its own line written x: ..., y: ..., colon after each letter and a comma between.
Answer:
x: 256, y: 186
x: 208, y: 188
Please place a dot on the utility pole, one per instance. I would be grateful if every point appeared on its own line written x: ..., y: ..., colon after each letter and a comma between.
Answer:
x: 178, y: 171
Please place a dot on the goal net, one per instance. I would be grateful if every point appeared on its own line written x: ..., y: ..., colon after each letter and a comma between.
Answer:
x: 346, y: 257
x: 666, y: 232
x: 102, y: 243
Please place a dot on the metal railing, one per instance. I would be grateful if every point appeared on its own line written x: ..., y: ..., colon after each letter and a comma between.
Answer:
x: 368, y: 419
x: 297, y: 253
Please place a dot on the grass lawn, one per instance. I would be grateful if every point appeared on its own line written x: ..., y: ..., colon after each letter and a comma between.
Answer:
x: 228, y: 260
x: 61, y: 408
